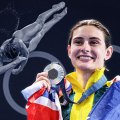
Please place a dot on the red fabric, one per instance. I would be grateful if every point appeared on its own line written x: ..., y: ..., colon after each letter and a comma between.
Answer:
x: 36, y: 111
x: 36, y: 95
x: 40, y: 112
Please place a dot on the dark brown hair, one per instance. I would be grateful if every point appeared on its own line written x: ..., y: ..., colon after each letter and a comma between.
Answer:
x: 92, y: 22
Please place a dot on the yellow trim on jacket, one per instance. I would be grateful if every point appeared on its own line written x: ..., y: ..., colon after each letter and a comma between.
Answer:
x: 81, y: 111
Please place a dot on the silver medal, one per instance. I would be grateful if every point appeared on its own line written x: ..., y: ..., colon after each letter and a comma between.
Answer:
x: 55, y: 73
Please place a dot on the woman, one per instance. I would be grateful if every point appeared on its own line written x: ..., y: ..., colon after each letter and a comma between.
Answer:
x: 88, y: 48
x: 17, y: 49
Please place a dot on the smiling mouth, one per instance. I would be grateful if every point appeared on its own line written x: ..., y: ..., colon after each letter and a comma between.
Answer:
x: 85, y: 57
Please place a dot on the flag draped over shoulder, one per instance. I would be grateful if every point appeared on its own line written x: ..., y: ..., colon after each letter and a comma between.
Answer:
x: 108, y: 107
x: 41, y: 104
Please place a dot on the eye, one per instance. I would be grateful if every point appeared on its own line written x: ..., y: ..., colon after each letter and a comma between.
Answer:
x: 78, y: 41
x: 94, y: 42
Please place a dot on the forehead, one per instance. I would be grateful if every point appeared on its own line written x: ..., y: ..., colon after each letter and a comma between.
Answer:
x: 88, y: 31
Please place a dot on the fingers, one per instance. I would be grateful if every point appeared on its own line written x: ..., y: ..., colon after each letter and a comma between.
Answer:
x: 116, y: 79
x: 16, y: 70
x: 45, y: 74
x: 40, y: 78
x: 45, y: 85
x: 20, y: 59
x: 43, y: 78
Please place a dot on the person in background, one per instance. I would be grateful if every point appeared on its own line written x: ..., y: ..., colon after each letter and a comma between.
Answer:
x: 15, y: 51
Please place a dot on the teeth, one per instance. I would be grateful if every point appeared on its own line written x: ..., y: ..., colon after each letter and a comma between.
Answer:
x: 84, y: 57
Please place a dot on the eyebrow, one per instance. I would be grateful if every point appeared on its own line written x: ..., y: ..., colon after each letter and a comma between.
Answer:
x: 78, y: 38
x: 91, y: 38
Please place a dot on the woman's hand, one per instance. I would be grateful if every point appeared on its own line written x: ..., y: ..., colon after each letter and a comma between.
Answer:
x: 43, y: 79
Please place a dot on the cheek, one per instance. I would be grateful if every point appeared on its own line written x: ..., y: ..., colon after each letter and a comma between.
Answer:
x: 99, y: 54
x: 101, y: 57
x: 72, y: 52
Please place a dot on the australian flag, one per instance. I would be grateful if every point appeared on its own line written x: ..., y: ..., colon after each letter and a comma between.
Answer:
x: 108, y: 107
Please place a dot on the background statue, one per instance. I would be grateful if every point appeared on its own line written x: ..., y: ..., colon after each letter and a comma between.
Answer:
x: 15, y: 51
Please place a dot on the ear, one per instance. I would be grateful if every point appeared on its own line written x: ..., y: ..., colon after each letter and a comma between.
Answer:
x: 69, y: 50
x: 109, y: 52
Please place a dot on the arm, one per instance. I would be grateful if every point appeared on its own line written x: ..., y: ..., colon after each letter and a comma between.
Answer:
x: 4, y: 68
x: 12, y: 62
x: 23, y: 53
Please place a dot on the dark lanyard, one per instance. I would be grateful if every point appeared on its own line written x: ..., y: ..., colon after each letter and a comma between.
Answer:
x: 96, y: 86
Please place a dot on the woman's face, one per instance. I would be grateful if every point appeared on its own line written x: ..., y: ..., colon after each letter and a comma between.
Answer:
x: 88, y: 50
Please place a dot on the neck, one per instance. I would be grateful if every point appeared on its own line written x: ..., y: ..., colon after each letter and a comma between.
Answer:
x: 83, y: 76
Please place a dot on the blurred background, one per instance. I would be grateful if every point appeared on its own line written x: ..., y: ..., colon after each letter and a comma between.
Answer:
x: 52, y: 46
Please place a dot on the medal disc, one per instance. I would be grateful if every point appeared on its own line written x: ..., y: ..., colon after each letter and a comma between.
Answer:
x: 55, y: 73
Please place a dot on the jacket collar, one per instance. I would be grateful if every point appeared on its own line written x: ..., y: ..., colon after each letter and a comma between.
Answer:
x: 72, y: 78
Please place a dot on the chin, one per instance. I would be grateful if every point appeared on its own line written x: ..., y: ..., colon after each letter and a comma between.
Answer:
x: 83, y: 68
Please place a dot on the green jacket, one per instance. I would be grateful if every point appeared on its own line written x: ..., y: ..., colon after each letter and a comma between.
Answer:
x: 67, y: 108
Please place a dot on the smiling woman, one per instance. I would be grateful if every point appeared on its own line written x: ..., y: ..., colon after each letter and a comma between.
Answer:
x: 89, y: 46
x: 87, y: 49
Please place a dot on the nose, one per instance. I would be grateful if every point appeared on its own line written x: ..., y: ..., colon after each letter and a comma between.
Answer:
x: 85, y: 48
